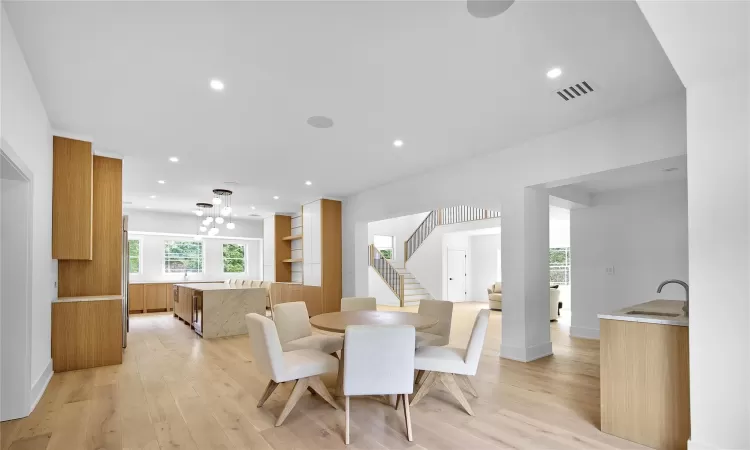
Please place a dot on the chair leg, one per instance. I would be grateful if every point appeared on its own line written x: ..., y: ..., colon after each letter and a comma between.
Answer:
x: 340, y: 376
x: 450, y: 382
x: 420, y: 375
x: 297, y: 392
x: 270, y: 387
x: 467, y: 384
x: 346, y: 408
x: 316, y: 384
x: 407, y: 417
x: 398, y: 400
x: 424, y: 388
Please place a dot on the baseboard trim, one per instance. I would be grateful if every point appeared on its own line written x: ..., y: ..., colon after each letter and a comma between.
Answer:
x: 526, y: 354
x: 584, y: 333
x: 692, y: 445
x: 40, y: 385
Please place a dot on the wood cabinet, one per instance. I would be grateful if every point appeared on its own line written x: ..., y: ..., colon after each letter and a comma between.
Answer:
x: 294, y: 292
x: 86, y: 334
x: 135, y: 298
x: 155, y: 297
x: 102, y: 275
x: 72, y: 199
x: 183, y: 307
x: 321, y: 228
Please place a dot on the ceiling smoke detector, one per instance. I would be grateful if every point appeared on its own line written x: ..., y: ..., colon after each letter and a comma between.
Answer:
x: 484, y: 9
x: 320, y: 122
x: 574, y: 91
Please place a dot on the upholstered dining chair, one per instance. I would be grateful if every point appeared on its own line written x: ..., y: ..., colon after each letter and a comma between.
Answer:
x: 379, y: 360
x: 358, y: 304
x: 440, y: 333
x: 447, y: 364
x: 295, y: 332
x: 302, y: 366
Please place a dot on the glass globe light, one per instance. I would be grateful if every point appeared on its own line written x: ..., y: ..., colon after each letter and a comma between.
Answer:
x: 209, y: 219
x: 197, y: 237
x: 216, y: 201
x: 219, y: 220
x: 213, y: 231
x: 199, y: 213
x: 226, y: 211
x: 230, y: 226
x: 203, y: 229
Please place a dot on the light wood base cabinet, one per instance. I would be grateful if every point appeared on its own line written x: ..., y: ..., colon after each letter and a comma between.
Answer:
x: 645, y: 383
x: 294, y: 292
x: 86, y: 334
x: 150, y: 297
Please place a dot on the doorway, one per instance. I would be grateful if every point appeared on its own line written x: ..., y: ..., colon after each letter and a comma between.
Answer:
x: 456, y: 275
x: 15, y: 285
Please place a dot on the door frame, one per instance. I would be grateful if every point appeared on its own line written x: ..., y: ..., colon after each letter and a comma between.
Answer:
x: 18, y: 403
x: 447, y: 273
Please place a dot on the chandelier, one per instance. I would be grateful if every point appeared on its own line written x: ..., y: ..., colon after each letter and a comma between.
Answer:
x: 213, y: 214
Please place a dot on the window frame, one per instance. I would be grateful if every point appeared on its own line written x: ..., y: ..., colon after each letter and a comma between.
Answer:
x: 164, y: 256
x: 565, y: 268
x: 244, y: 258
x: 392, y: 248
x: 140, y: 255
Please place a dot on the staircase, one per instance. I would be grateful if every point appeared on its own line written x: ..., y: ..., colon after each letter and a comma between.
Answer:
x: 403, y: 284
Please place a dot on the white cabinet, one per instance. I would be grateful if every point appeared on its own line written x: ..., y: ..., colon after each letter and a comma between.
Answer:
x: 311, y: 243
x: 269, y: 252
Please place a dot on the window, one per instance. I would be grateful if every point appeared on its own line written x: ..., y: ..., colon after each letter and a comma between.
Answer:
x: 559, y: 265
x: 181, y: 256
x: 234, y: 258
x: 385, y: 245
x: 134, y: 251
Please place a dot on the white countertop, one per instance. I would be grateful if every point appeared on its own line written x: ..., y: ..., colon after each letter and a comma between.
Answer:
x: 90, y: 298
x: 656, y: 306
x: 214, y: 286
x: 179, y: 281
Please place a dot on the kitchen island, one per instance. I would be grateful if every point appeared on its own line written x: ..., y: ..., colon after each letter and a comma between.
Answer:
x: 645, y: 383
x: 217, y: 309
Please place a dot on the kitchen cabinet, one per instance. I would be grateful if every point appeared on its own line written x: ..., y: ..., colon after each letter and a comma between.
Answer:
x: 321, y: 228
x: 72, y: 199
x: 183, y: 307
x: 135, y: 298
x: 155, y: 297
x: 295, y: 292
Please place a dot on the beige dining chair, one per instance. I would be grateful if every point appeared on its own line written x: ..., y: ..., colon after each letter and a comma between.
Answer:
x: 379, y: 360
x: 358, y: 304
x: 440, y: 333
x: 295, y: 332
x: 447, y: 364
x: 302, y: 366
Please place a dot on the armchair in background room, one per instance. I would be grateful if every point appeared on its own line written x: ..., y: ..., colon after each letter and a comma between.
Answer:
x: 495, y: 293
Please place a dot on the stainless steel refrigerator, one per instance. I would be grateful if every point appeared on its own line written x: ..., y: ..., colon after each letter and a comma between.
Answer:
x: 125, y: 281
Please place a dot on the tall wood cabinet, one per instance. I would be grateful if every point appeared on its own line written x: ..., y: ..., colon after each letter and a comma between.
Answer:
x: 321, y: 244
x: 72, y: 199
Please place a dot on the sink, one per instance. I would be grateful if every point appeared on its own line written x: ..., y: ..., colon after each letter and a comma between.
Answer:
x: 651, y: 313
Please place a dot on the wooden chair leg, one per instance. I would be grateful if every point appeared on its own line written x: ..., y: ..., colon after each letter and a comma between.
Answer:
x: 297, y: 392
x: 407, y: 417
x: 335, y: 355
x: 450, y: 382
x: 467, y: 384
x: 424, y: 388
x: 340, y: 376
x: 270, y: 387
x: 420, y: 375
x: 398, y: 400
x: 316, y: 384
x: 346, y: 408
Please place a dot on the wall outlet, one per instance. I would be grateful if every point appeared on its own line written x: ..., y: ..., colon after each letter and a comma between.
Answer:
x: 609, y: 270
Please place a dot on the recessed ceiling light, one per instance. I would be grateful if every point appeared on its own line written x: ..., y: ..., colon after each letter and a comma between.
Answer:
x: 151, y: 196
x: 275, y: 197
x: 217, y: 85
x: 554, y: 73
x: 148, y: 207
x: 253, y: 208
x: 161, y: 181
x: 309, y: 183
x: 671, y: 169
x: 398, y: 143
x: 174, y: 159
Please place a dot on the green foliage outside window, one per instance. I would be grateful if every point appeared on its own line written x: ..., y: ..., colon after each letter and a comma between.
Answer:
x: 134, y: 247
x: 234, y: 258
x: 559, y: 265
x: 180, y: 256
x: 387, y: 253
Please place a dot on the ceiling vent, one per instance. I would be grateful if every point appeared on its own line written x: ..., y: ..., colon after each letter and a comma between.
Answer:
x: 127, y: 203
x: 574, y: 91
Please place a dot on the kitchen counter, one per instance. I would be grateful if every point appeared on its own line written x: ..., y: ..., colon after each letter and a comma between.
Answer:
x: 654, y: 306
x: 214, y: 286
x: 91, y: 298
x: 180, y: 280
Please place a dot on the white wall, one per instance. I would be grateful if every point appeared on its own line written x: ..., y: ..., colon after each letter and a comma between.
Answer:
x: 401, y: 228
x: 485, y: 265
x: 643, y: 234
x: 182, y: 227
x: 26, y: 128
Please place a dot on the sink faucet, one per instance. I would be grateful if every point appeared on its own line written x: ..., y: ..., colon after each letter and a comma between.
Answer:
x: 186, y: 272
x: 685, y: 308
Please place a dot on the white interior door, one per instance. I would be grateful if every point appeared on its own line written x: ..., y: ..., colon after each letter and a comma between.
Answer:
x: 456, y: 275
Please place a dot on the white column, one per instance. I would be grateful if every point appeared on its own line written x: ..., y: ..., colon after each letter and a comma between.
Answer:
x: 719, y: 249
x: 525, y: 264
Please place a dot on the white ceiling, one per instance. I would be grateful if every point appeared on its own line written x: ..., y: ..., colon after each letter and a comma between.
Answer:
x: 656, y: 172
x: 134, y: 76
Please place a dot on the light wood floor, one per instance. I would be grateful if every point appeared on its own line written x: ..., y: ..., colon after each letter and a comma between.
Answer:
x: 177, y: 391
